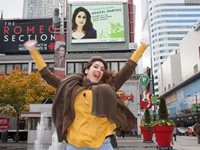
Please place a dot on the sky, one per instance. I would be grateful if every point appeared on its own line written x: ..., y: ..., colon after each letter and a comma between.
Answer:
x: 12, y: 9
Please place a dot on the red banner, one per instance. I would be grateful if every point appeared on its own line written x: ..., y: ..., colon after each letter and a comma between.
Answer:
x: 59, y: 55
x: 146, y: 100
x: 4, y: 123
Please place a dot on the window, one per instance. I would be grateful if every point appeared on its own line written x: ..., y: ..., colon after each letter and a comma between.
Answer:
x: 114, y: 66
x: 2, y: 68
x: 79, y: 67
x: 70, y: 68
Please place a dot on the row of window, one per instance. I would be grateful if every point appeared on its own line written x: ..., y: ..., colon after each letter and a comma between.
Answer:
x: 177, y: 4
x: 166, y: 45
x: 71, y: 67
x: 176, y: 10
x: 162, y: 51
x: 169, y: 33
x: 173, y: 21
x: 172, y: 27
x: 168, y: 39
x: 175, y: 16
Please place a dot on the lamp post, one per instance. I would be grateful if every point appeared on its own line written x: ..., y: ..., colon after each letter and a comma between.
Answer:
x: 197, y: 108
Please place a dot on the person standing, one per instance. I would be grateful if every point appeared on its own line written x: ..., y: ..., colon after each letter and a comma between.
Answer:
x: 82, y: 112
x: 197, y: 130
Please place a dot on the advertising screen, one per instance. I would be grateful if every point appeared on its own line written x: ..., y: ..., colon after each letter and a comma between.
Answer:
x: 14, y: 33
x: 97, y: 23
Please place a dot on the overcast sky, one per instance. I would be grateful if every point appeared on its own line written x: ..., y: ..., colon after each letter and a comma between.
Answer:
x: 11, y: 8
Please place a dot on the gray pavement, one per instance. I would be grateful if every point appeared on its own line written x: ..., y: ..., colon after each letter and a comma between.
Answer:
x: 127, y: 143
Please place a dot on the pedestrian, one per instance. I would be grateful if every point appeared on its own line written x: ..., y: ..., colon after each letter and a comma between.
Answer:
x: 86, y: 110
x: 197, y: 130
x: 174, y: 133
x: 123, y: 134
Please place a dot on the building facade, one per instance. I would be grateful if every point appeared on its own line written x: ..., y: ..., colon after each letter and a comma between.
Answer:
x: 169, y: 22
x: 180, y: 75
x: 33, y: 9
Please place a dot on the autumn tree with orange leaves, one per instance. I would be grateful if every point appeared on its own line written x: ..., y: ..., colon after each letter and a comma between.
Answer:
x: 18, y: 90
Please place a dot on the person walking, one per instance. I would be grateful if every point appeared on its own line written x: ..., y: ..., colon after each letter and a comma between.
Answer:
x: 86, y: 110
x: 197, y: 130
x: 174, y: 133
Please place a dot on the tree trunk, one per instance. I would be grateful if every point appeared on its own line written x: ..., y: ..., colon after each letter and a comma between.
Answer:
x: 16, y: 137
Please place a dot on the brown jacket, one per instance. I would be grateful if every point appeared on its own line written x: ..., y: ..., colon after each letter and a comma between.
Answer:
x: 103, y: 98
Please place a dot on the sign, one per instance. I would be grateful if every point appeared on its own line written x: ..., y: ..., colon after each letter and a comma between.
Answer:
x: 154, y: 99
x: 146, y: 101
x: 14, y: 33
x: 104, y: 23
x: 59, y: 55
x: 125, y: 97
x: 144, y: 80
x: 4, y: 123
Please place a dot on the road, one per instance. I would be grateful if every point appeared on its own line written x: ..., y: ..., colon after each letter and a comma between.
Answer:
x: 186, y: 143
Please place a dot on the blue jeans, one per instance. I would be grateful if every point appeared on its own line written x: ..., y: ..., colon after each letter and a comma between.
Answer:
x: 105, y: 146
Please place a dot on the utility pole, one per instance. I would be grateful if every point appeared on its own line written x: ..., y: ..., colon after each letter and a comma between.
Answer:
x: 197, y: 108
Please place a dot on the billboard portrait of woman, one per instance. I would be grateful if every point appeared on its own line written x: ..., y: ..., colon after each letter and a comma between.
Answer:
x: 82, y: 27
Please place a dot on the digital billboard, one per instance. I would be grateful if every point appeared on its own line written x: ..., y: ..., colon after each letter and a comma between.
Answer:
x: 97, y: 27
x: 14, y: 33
x: 97, y: 23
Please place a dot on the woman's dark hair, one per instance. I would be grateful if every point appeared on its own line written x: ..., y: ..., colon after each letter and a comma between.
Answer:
x: 107, y: 76
x: 88, y: 25
x: 92, y: 60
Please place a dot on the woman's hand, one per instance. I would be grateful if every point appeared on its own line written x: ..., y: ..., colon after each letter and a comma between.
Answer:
x: 30, y: 45
x: 35, y: 54
x: 139, y: 51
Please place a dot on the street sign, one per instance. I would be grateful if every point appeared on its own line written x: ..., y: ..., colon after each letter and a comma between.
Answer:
x: 144, y: 80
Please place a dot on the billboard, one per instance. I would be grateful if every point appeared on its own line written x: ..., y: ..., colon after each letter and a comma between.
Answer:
x: 97, y: 23
x: 14, y: 33
x: 98, y: 27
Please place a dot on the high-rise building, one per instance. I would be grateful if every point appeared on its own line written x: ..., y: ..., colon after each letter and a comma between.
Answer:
x: 34, y: 9
x: 169, y: 22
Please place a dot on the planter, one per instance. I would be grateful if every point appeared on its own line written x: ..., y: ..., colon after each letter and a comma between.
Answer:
x: 147, y: 134
x: 163, y: 135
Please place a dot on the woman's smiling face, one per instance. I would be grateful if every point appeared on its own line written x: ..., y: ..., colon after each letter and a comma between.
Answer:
x: 95, y: 72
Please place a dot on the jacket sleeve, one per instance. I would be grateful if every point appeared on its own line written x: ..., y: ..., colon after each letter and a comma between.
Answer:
x: 125, y: 73
x: 46, y: 74
x: 50, y: 77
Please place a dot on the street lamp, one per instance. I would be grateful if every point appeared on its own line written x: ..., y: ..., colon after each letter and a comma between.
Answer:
x: 197, y: 107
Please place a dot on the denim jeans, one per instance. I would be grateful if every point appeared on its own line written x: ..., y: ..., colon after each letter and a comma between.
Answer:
x: 105, y: 146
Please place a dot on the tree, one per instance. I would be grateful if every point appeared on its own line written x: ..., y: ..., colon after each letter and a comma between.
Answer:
x: 162, y: 112
x: 147, y: 116
x: 18, y: 90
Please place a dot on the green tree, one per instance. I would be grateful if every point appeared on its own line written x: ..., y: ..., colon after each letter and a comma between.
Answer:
x: 18, y: 90
x: 147, y: 116
x: 162, y: 112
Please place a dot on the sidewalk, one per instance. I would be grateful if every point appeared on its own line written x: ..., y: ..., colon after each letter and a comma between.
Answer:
x: 128, y: 143
x: 135, y: 143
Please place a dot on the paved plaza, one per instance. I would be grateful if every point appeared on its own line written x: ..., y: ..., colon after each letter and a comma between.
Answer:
x: 127, y: 143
